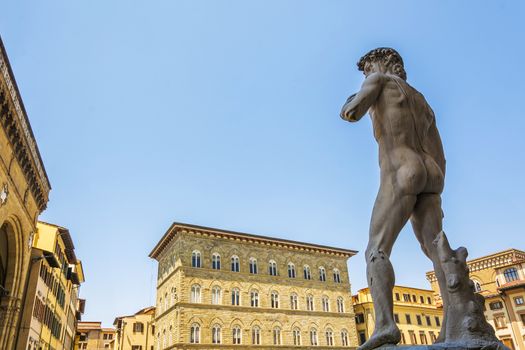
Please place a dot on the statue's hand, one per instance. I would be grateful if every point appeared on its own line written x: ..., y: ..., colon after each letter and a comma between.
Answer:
x: 343, y: 110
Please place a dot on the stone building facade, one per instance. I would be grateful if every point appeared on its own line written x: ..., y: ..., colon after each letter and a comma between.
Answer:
x: 415, y: 312
x: 224, y: 289
x: 24, y: 190
x: 52, y: 306
x: 137, y: 331
x: 500, y: 278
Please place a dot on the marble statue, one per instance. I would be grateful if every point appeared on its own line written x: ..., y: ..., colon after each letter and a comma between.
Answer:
x: 412, y: 174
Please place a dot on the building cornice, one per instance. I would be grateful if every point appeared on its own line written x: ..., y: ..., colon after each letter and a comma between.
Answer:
x: 16, y: 124
x: 177, y: 228
x: 496, y: 260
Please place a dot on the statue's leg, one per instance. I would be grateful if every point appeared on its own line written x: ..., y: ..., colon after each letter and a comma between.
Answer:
x: 390, y: 214
x: 427, y: 221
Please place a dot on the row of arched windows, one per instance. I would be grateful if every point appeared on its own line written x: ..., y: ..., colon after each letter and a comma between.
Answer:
x: 253, y: 267
x: 275, y: 301
x: 255, y: 336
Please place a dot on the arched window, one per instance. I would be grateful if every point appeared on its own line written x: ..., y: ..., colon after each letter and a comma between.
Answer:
x: 216, y: 261
x: 310, y: 302
x: 254, y: 298
x: 274, y: 302
x: 256, y: 335
x: 272, y: 268
x: 195, y: 293
x: 291, y: 270
x: 164, y: 339
x: 344, y: 337
x: 337, y: 276
x: 277, y: 336
x: 173, y: 295
x: 216, y: 295
x: 196, y: 259
x: 253, y: 266
x: 329, y: 337
x: 216, y: 334
x: 195, y: 333
x: 326, y: 304
x: 235, y: 263
x: 160, y: 305
x: 340, y: 304
x: 293, y: 301
x: 236, y: 296
x: 313, y: 337
x: 511, y: 274
x: 322, y: 274
x: 296, y: 333
x: 236, y: 335
x: 306, y: 271
x: 477, y: 286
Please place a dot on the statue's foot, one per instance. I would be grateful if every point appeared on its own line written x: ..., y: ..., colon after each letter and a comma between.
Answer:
x: 390, y: 335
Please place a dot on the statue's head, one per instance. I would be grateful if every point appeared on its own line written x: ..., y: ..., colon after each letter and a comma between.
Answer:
x: 382, y: 59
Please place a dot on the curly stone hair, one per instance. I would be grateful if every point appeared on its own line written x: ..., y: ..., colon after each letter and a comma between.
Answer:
x: 390, y: 57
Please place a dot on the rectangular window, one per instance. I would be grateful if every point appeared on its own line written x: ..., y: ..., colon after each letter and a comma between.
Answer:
x: 362, y: 338
x: 423, y: 338
x: 409, y: 321
x: 397, y: 297
x: 421, y: 299
x: 518, y: 300
x: 413, y: 337
x: 496, y: 305
x: 414, y: 299
x: 500, y: 321
x: 359, y: 318
x: 428, y: 320
x: 429, y: 300
x: 438, y: 323
x: 418, y: 318
x: 522, y: 316
x: 406, y: 297
x: 396, y: 318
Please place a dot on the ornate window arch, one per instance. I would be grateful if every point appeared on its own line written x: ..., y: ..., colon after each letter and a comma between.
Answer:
x: 277, y: 340
x: 340, y: 305
x: 296, y: 335
x: 253, y: 266
x: 236, y: 296
x: 310, y: 302
x: 294, y: 301
x: 306, y: 272
x: 274, y: 300
x: 254, y: 298
x: 291, y: 270
x: 337, y: 276
x: 477, y: 285
x: 272, y: 268
x: 216, y: 294
x: 235, y: 264
x: 344, y: 337
x: 326, y: 303
x: 236, y: 335
x: 195, y: 293
x: 329, y: 334
x: 216, y: 261
x: 256, y: 335
x: 322, y: 274
x: 195, y: 333
x: 196, y: 259
x: 216, y: 333
x: 313, y: 337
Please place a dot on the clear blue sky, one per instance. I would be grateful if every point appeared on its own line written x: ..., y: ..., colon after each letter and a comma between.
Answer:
x: 226, y: 114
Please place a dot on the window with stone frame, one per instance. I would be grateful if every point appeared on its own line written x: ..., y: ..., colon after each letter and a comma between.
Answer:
x: 138, y: 327
x: 256, y: 335
x: 310, y: 302
x: 306, y: 272
x: 216, y: 295
x: 340, y: 305
x: 196, y: 259
x: 337, y: 276
x: 326, y: 304
x: 216, y: 334
x: 272, y: 268
x: 511, y: 274
x: 296, y: 335
x: 294, y: 301
x: 322, y: 274
x: 277, y: 336
x: 500, y: 321
x: 253, y: 266
x: 291, y: 270
x: 274, y: 300
x: 236, y: 335
x: 235, y: 264
x: 344, y: 337
x: 216, y: 261
x: 496, y: 305
x: 313, y: 337
x: 329, y: 334
x: 254, y: 298
x: 236, y: 296
x: 195, y: 293
x: 195, y: 333
x: 518, y: 301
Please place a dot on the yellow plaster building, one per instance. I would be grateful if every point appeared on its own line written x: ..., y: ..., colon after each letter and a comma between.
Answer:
x: 91, y: 336
x: 245, y: 291
x: 24, y: 190
x: 136, y: 332
x: 415, y: 312
x: 51, y: 307
x: 500, y: 278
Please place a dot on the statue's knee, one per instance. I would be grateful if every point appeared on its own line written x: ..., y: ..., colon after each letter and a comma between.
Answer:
x: 374, y: 255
